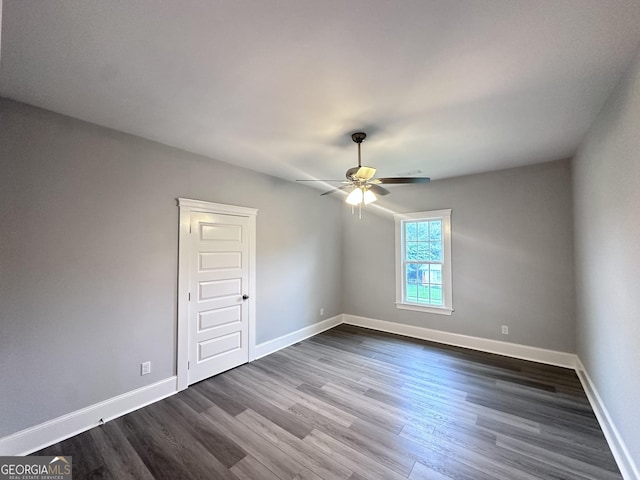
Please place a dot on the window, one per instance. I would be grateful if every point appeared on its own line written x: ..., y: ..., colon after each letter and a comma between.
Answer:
x: 423, y: 261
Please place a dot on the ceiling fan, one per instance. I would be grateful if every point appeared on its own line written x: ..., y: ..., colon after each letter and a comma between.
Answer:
x: 360, y: 180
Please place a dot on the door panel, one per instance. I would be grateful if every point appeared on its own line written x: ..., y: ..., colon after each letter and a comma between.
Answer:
x: 220, y: 260
x: 219, y: 346
x: 219, y: 317
x: 218, y: 279
x: 218, y: 233
x: 220, y: 289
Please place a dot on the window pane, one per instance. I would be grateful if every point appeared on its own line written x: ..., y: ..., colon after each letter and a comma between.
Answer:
x: 436, y: 295
x: 412, y: 273
x: 435, y: 274
x: 410, y: 234
x: 423, y: 231
x: 411, y: 252
x: 423, y: 294
x: 435, y: 251
x: 435, y: 230
x: 423, y: 274
x: 423, y: 251
x: 411, y: 290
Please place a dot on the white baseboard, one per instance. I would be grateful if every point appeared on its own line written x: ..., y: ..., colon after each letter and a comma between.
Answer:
x: 626, y: 463
x: 524, y: 352
x: 279, y: 343
x: 35, y: 438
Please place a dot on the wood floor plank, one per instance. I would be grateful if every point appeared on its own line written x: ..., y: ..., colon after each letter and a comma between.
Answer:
x: 251, y: 469
x: 287, y: 374
x: 439, y: 455
x: 422, y: 472
x: 452, y: 456
x: 195, y: 459
x: 217, y: 396
x: 247, y: 397
x: 316, y: 461
x: 292, y: 370
x: 87, y: 458
x: 119, y: 456
x: 570, y: 467
x: 355, y: 407
x: 244, y: 376
x: 398, y: 461
x: 162, y: 461
x: 536, y: 412
x: 351, y: 458
x: 559, y: 445
x: 297, y: 397
x: 352, y: 403
x: 257, y: 446
x: 216, y: 442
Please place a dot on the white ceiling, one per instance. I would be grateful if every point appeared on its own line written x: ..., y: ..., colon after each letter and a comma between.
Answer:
x: 444, y: 87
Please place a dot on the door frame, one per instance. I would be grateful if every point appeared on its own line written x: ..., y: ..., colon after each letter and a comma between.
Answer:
x: 187, y: 206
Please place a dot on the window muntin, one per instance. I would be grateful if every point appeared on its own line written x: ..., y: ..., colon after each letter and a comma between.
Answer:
x: 423, y: 265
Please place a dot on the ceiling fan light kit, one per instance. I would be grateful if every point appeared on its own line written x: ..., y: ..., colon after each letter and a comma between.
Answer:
x: 361, y: 195
x: 355, y: 197
x: 369, y: 197
x: 360, y: 179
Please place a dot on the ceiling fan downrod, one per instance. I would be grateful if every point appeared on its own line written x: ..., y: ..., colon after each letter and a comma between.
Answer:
x: 358, y: 137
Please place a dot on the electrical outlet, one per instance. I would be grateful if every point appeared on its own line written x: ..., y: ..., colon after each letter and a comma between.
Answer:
x: 505, y: 329
x: 322, y: 312
x: 145, y: 368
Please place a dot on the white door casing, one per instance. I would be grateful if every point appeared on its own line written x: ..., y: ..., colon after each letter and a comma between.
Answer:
x: 216, y: 325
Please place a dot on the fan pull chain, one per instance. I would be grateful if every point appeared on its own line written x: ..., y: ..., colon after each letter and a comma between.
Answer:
x: 353, y: 210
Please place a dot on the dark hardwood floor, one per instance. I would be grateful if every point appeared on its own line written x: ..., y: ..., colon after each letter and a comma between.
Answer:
x: 352, y: 403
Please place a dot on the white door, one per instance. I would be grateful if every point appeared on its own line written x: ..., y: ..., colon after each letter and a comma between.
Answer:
x: 218, y: 293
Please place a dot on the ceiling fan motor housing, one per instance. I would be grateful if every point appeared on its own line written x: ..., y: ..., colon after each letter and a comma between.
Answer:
x: 358, y: 137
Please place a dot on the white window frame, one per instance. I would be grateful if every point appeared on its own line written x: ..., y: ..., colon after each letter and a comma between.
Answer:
x: 400, y: 219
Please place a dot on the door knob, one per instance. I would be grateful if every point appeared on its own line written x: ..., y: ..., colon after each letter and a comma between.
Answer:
x: 245, y: 297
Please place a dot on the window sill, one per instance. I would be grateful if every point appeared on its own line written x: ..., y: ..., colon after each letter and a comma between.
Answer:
x: 424, y: 308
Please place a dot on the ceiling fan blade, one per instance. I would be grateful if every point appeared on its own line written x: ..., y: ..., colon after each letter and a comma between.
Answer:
x: 398, y: 180
x: 360, y: 173
x: 378, y: 190
x: 329, y: 192
x: 318, y: 180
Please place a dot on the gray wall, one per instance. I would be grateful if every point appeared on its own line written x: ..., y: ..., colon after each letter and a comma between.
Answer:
x: 88, y: 259
x: 607, y: 226
x: 512, y: 256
